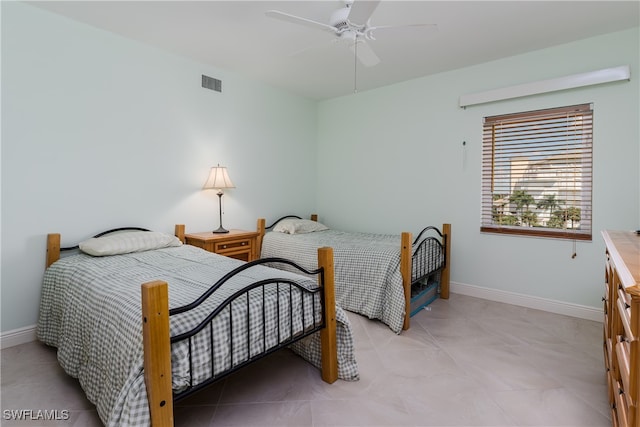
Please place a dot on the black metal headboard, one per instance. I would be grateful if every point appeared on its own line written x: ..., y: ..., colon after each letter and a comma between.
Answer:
x: 280, y: 219
x: 113, y: 230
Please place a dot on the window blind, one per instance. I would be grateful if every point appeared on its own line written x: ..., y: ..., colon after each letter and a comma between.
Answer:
x: 537, y: 173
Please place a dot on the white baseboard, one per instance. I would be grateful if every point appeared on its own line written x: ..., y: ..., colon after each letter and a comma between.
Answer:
x: 17, y: 336
x: 553, y: 306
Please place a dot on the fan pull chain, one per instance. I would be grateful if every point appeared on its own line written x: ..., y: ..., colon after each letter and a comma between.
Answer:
x: 355, y: 66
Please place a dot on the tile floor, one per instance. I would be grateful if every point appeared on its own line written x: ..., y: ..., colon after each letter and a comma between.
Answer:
x: 464, y: 362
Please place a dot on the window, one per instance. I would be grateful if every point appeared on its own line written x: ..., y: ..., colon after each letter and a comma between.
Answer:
x: 537, y: 172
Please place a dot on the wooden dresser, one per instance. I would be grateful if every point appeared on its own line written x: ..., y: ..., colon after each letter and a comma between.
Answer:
x: 622, y: 326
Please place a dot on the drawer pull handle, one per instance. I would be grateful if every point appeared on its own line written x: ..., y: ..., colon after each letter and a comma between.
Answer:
x: 224, y: 246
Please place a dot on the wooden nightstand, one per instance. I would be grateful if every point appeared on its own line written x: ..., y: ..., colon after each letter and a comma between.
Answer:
x: 239, y: 244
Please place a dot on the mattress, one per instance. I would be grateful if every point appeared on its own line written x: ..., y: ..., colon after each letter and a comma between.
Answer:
x: 368, y: 280
x: 90, y: 310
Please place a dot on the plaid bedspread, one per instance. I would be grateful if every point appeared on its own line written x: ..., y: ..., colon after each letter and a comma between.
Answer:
x: 367, y: 269
x: 90, y: 310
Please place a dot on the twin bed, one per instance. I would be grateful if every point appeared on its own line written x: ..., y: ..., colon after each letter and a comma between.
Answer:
x: 143, y: 320
x: 215, y: 316
x: 385, y: 277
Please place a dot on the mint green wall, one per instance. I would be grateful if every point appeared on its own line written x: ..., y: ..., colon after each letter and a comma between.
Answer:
x: 393, y: 159
x: 99, y: 131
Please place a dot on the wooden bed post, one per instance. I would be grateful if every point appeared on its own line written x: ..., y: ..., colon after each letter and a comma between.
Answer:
x: 328, y: 342
x: 157, y: 352
x: 53, y: 248
x: 261, y: 230
x: 405, y: 269
x: 179, y: 232
x: 446, y: 272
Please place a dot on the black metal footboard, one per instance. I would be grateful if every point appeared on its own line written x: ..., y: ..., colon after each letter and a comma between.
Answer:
x: 248, y: 325
x: 427, y: 262
x: 428, y: 255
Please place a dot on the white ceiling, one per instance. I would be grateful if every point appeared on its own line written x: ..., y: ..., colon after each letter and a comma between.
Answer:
x: 238, y: 36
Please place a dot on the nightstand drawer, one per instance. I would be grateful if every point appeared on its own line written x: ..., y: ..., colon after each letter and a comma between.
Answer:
x: 237, y: 244
x: 222, y: 247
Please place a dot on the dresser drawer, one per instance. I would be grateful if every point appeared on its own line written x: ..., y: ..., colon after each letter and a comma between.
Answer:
x: 622, y: 354
x: 622, y: 408
x: 624, y: 312
x: 608, y: 370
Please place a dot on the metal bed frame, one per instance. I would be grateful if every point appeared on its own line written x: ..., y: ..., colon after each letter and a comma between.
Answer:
x: 428, y: 264
x: 425, y: 267
x: 156, y: 314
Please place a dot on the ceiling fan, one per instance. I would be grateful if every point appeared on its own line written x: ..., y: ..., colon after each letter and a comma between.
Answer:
x: 350, y: 24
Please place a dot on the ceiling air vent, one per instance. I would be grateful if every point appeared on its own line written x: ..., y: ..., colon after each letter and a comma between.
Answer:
x: 211, y: 83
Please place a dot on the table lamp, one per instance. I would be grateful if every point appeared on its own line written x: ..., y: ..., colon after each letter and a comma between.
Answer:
x: 219, y: 180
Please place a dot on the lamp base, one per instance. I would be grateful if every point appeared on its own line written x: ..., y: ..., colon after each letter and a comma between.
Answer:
x: 220, y: 230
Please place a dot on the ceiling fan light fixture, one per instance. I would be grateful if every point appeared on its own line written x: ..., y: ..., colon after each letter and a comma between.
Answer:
x: 349, y: 35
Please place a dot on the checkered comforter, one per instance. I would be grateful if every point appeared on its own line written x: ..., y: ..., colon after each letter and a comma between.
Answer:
x: 367, y: 269
x: 90, y: 310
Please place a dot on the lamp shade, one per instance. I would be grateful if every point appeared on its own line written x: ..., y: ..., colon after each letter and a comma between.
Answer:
x: 218, y: 179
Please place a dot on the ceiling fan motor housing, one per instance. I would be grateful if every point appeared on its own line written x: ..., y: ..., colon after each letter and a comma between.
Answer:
x: 347, y: 30
x: 339, y: 18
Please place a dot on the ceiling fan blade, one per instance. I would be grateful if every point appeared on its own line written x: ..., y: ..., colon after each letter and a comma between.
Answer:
x: 302, y: 21
x: 390, y: 28
x: 386, y: 27
x: 365, y: 53
x: 361, y: 11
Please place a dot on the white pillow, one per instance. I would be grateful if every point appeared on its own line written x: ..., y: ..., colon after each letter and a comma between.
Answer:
x: 124, y: 243
x: 298, y: 226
